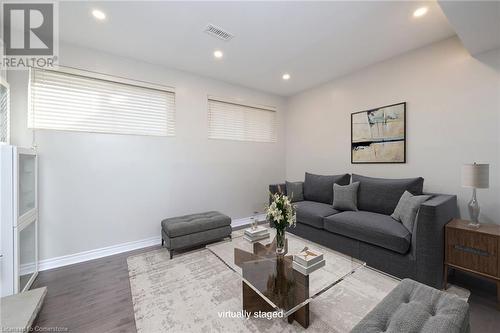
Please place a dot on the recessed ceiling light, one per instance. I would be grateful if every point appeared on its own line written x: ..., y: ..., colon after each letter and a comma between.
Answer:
x: 98, y: 14
x: 420, y: 12
x: 286, y: 76
x: 218, y: 54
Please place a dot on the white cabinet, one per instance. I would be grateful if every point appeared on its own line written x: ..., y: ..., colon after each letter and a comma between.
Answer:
x: 19, y: 218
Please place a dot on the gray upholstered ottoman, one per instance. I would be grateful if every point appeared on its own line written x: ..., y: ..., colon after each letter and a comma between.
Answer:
x: 415, y: 307
x: 195, y: 229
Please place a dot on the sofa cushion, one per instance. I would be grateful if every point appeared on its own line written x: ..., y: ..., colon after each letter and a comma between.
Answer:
x: 381, y: 195
x: 320, y: 188
x: 312, y: 213
x: 377, y: 229
x: 415, y: 307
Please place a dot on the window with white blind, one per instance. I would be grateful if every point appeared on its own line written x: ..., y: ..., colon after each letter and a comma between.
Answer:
x: 74, y: 100
x: 234, y: 121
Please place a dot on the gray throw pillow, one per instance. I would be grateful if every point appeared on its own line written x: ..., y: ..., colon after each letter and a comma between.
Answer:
x: 345, y: 197
x: 294, y: 190
x: 407, y: 208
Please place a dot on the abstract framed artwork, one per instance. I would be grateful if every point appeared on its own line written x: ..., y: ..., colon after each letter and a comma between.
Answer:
x: 379, y: 135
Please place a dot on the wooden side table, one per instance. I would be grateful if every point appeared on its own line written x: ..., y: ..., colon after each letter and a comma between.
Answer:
x: 474, y: 250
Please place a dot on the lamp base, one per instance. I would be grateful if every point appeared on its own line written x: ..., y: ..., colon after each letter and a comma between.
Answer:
x: 474, y: 210
x: 474, y: 225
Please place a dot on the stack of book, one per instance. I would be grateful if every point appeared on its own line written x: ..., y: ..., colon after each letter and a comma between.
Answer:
x: 253, y: 235
x: 308, y: 261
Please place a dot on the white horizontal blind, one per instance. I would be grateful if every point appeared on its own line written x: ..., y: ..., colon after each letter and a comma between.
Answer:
x: 66, y: 101
x: 232, y: 121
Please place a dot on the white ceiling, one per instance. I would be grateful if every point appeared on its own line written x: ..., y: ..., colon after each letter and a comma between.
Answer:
x: 313, y: 41
x: 477, y: 23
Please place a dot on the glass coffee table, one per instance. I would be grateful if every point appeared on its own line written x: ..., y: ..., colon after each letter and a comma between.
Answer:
x: 269, y: 282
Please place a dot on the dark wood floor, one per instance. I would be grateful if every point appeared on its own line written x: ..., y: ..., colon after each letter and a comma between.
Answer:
x: 95, y: 297
x: 484, y: 314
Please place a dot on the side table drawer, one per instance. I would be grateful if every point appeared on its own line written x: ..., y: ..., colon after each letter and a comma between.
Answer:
x: 478, y: 252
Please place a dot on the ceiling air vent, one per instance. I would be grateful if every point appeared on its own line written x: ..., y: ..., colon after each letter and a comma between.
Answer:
x: 218, y: 32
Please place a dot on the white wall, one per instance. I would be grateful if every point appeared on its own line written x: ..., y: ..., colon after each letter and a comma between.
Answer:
x: 98, y: 190
x: 453, y: 117
x: 490, y: 58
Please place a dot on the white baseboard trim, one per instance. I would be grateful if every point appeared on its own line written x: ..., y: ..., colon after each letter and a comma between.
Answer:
x: 25, y: 269
x: 76, y: 258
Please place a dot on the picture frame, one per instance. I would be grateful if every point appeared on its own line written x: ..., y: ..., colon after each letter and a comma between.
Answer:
x: 378, y: 136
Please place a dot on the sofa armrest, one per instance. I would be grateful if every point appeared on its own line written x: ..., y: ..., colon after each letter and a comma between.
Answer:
x: 428, y: 237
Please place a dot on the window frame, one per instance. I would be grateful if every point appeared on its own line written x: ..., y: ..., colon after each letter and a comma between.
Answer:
x: 240, y: 103
x: 87, y: 74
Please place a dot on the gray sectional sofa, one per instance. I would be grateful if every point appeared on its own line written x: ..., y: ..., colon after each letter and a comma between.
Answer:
x: 371, y: 234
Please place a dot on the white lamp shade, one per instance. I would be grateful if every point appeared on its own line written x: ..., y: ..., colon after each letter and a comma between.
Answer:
x: 476, y: 175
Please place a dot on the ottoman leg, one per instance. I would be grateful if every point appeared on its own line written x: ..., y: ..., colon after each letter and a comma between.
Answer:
x: 162, y: 242
x: 171, y: 254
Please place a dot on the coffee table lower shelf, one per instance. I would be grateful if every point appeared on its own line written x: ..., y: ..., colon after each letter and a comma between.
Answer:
x: 253, y: 302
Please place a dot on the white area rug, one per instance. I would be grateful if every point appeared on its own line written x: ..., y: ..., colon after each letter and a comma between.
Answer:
x: 187, y: 293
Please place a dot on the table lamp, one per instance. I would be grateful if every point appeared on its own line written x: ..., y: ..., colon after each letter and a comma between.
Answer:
x: 475, y: 176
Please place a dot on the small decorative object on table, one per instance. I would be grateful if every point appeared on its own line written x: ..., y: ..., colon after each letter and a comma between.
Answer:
x: 281, y: 214
x: 307, y: 261
x: 475, y: 176
x: 254, y: 223
x: 253, y: 235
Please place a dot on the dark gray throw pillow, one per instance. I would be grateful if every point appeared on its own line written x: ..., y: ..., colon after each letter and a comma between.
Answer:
x: 345, y: 197
x: 320, y: 188
x: 407, y: 208
x: 294, y: 191
x: 381, y: 195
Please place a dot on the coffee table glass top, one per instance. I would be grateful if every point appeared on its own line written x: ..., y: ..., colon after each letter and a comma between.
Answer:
x: 273, y: 277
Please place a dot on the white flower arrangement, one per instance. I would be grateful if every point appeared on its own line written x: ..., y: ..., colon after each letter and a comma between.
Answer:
x: 281, y: 211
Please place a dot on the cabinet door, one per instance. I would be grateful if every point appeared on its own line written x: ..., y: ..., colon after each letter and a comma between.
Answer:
x: 26, y: 243
x: 26, y: 173
x: 26, y: 221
